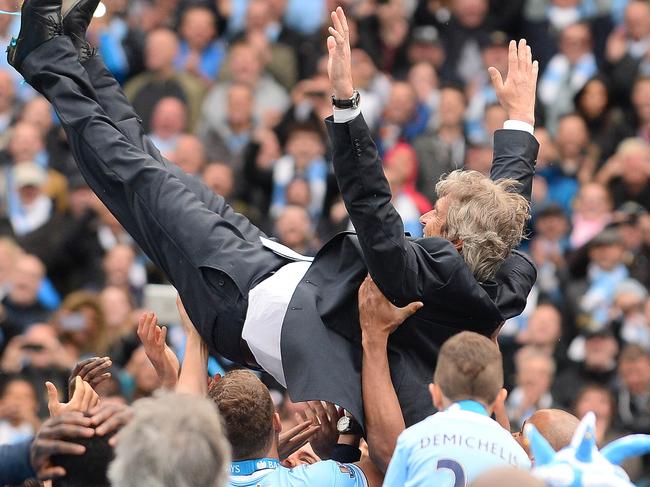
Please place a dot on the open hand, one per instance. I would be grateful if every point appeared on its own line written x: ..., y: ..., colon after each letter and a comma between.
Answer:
x: 163, y: 358
x: 378, y: 316
x: 339, y: 64
x: 295, y: 438
x: 92, y: 370
x: 325, y: 415
x: 83, y: 399
x: 109, y: 418
x: 517, y: 93
x: 50, y: 440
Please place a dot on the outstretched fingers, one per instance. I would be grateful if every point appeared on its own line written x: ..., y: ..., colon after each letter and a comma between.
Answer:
x: 522, y: 57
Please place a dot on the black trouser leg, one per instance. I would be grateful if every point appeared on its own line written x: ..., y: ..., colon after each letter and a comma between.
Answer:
x: 204, y: 255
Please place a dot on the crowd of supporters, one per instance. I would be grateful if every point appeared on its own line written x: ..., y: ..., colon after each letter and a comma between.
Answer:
x: 236, y: 91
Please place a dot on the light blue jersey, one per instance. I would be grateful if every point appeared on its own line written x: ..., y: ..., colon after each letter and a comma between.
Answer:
x: 451, y: 448
x: 321, y: 474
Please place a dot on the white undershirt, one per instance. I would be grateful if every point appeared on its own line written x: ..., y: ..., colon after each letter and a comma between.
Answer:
x: 268, y: 302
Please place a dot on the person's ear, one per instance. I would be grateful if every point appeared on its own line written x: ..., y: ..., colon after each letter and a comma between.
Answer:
x: 458, y: 244
x: 277, y: 423
x: 436, y: 396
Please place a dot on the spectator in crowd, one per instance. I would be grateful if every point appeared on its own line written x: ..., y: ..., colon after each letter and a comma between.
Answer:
x: 121, y: 44
x: 442, y: 150
x: 161, y: 79
x: 294, y: 229
x: 469, y: 24
x: 189, y: 154
x: 606, y: 122
x: 481, y: 94
x: 200, y: 52
x: 567, y: 72
x: 18, y: 409
x: 597, y: 366
x: 535, y: 373
x: 627, y: 173
x: 227, y: 140
x: 220, y: 178
x: 574, y: 162
x: 262, y: 31
x: 160, y: 424
x: 22, y: 304
x: 548, y: 247
x: 634, y: 390
x: 628, y: 313
x: 403, y: 202
x: 81, y: 325
x: 403, y: 159
x: 626, y: 55
x: 168, y: 123
x: 245, y: 66
x: 304, y: 158
x: 590, y: 299
x: 592, y: 212
x: 642, y: 107
x: 404, y: 117
x: 7, y: 105
x: 600, y: 400
x: 38, y: 356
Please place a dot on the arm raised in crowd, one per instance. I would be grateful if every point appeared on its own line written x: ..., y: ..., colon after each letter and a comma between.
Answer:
x: 163, y: 358
x: 384, y: 422
x: 193, y: 378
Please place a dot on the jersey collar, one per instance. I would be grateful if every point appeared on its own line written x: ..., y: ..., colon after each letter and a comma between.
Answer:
x: 471, y: 406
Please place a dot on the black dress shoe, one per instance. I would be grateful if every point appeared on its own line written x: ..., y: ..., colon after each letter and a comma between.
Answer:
x: 40, y: 21
x: 76, y: 18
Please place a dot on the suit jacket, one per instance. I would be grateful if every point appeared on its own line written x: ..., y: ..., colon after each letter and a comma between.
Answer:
x: 321, y: 337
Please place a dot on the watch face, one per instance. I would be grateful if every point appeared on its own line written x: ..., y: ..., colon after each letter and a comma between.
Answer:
x: 343, y: 424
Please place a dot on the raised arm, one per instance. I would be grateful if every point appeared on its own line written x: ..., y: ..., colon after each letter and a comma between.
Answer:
x: 390, y: 258
x: 193, y: 378
x: 515, y: 149
x: 383, y: 415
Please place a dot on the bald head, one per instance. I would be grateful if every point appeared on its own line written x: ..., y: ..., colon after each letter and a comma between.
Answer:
x: 507, y: 477
x: 555, y: 425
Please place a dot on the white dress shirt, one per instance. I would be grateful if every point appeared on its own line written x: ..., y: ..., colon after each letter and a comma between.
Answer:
x: 268, y: 302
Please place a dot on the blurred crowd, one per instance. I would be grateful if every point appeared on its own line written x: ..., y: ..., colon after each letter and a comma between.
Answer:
x: 235, y: 92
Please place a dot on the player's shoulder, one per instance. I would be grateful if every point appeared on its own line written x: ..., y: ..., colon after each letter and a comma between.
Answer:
x: 326, y: 474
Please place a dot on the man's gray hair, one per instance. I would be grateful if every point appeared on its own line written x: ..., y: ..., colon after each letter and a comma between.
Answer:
x: 173, y: 440
x: 487, y: 216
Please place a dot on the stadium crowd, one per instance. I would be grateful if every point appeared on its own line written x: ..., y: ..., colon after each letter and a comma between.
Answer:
x: 235, y: 92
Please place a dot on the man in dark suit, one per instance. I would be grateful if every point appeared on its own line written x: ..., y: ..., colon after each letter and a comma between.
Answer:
x: 253, y: 300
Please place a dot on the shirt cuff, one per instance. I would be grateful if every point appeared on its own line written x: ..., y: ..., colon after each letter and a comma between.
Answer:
x: 517, y: 125
x: 344, y: 115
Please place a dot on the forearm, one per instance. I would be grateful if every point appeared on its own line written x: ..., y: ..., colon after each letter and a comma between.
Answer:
x: 383, y: 415
x: 165, y: 368
x: 367, y: 198
x: 515, y: 154
x: 193, y: 378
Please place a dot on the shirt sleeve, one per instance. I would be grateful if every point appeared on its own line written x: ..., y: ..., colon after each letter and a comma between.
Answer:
x: 398, y: 467
x: 344, y: 115
x: 519, y: 125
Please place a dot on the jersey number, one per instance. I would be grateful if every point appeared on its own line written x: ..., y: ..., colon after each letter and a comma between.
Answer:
x: 455, y: 468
